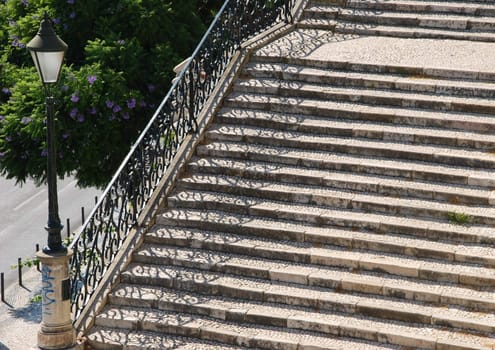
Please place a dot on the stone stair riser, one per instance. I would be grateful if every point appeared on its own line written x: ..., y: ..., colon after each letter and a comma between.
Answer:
x: 340, y: 222
x: 399, y: 151
x: 363, y: 309
x: 399, y: 83
x: 335, y: 201
x: 298, y: 177
x: 361, y: 131
x: 393, y: 117
x: 353, y: 96
x: 353, y: 165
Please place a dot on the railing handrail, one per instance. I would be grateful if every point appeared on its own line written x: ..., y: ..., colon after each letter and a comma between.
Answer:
x: 130, y: 188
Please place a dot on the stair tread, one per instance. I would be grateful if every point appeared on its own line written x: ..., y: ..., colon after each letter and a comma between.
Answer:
x: 327, y: 256
x: 398, y: 112
x: 313, y: 194
x: 431, y: 4
x: 385, y: 131
x: 412, y: 13
x: 267, y: 85
x: 245, y: 334
x: 404, y: 81
x: 336, y: 319
x: 306, y: 140
x: 397, y: 31
x: 293, y: 156
x: 321, y: 278
x: 323, y: 300
x: 325, y: 177
x: 134, y: 339
x: 314, y: 237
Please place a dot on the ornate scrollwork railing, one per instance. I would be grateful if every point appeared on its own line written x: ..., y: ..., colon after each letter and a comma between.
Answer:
x: 131, y: 188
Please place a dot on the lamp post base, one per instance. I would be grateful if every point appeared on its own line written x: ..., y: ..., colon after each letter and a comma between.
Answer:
x: 57, y: 331
x: 51, y: 339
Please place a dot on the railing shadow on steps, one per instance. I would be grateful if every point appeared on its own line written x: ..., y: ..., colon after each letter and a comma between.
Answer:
x: 131, y: 188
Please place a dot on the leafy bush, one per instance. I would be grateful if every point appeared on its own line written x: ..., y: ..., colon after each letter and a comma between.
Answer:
x: 118, y: 68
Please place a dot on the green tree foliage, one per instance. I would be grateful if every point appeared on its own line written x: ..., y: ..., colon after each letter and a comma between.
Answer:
x: 117, y: 70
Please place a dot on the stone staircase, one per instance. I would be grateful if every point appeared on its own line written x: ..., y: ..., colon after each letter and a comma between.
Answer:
x: 332, y: 205
x: 465, y: 20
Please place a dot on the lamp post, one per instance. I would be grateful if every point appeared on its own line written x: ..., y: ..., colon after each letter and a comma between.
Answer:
x: 57, y: 332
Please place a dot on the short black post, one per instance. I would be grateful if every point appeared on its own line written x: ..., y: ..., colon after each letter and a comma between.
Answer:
x: 96, y: 200
x: 19, y: 270
x: 83, y: 218
x: 37, y: 261
x: 2, y: 287
x: 68, y: 227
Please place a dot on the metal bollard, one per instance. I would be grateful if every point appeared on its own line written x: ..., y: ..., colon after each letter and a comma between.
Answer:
x: 19, y: 270
x: 2, y: 287
x: 37, y: 261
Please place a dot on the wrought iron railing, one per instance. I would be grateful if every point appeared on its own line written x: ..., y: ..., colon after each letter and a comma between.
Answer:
x: 131, y: 188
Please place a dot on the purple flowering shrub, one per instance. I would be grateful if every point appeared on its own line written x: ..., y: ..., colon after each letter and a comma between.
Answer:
x: 117, y: 70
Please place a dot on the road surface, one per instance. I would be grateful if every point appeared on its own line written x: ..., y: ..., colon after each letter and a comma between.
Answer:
x: 23, y: 216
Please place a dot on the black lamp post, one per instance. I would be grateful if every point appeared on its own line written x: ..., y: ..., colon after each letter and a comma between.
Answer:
x: 48, y: 51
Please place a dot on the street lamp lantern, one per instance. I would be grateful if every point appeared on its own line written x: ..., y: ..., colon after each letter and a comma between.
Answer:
x: 57, y: 331
x: 47, y: 51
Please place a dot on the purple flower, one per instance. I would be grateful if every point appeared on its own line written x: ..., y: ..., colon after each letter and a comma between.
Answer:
x: 116, y: 109
x: 151, y: 87
x: 142, y: 103
x: 6, y: 91
x: 56, y: 21
x: 26, y: 120
x: 2, y: 154
x: 80, y: 118
x: 70, y: 2
x: 44, y: 152
x: 74, y: 98
x: 72, y: 15
x: 2, y: 118
x: 73, y: 113
x: 91, y: 79
x: 8, y: 138
x: 65, y: 135
x: 131, y: 103
x: 109, y: 103
x: 125, y: 116
x: 92, y: 111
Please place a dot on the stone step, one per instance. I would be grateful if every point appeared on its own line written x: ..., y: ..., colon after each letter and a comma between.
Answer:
x: 335, y: 218
x: 474, y: 8
x: 327, y: 257
x: 348, y: 145
x: 369, y: 67
x: 120, y: 338
x: 429, y: 19
x: 468, y: 122
x: 384, y: 185
x: 321, y: 196
x: 292, y: 337
x: 328, y: 323
x: 359, y: 164
x: 282, y: 304
x: 248, y: 234
x: 302, y: 90
x: 284, y: 284
x: 352, y: 128
x: 364, y: 29
x: 392, y: 81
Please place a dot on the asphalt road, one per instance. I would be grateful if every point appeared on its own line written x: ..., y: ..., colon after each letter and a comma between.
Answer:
x: 23, y: 216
